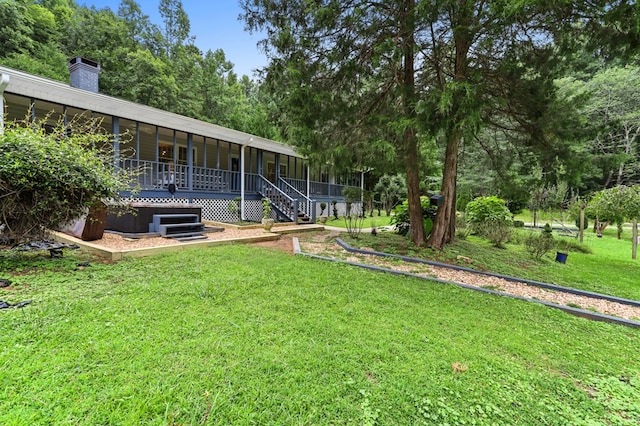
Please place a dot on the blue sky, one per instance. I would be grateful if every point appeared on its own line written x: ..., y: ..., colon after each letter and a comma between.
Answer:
x: 215, y: 25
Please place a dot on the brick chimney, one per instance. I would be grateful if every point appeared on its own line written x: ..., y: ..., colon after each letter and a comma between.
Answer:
x: 84, y: 74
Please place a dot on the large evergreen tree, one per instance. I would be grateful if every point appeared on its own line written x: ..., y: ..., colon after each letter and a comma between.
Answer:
x: 353, y: 73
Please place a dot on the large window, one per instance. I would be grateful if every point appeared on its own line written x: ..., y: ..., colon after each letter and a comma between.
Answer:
x: 168, y: 151
x: 127, y: 137
x: 17, y: 107
x: 198, y: 146
x: 165, y: 145
x: 147, y: 143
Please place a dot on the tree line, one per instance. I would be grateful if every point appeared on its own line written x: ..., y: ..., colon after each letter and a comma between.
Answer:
x: 155, y: 64
x: 465, y: 98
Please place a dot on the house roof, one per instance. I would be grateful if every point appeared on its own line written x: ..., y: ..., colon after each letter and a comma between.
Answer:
x: 21, y: 83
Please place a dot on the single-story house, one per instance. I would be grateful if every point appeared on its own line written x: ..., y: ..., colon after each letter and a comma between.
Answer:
x: 181, y: 159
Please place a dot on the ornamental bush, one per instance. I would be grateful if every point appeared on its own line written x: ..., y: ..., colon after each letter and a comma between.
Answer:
x: 539, y: 244
x: 49, y: 177
x: 401, y: 216
x: 490, y: 218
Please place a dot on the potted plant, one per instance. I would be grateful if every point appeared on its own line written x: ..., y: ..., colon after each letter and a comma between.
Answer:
x: 267, y: 221
x: 323, y: 207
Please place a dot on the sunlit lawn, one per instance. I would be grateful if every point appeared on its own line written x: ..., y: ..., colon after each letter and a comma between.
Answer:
x: 243, y: 335
x: 366, y: 222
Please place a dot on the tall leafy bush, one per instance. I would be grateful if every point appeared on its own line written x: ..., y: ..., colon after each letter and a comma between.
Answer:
x: 401, y: 216
x: 49, y: 177
x: 490, y: 218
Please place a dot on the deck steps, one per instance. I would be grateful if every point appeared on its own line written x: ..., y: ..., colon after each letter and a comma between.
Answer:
x: 182, y: 227
x: 190, y: 238
x: 303, y: 219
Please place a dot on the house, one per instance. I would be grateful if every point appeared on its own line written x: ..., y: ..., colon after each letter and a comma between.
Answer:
x: 181, y: 159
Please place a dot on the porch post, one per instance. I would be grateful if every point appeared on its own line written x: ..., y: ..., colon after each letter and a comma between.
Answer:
x: 190, y: 160
x: 242, y: 147
x: 4, y: 82
x: 115, y: 129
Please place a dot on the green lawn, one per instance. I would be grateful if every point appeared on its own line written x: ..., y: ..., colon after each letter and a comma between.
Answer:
x: 243, y: 335
x: 608, y: 269
x: 367, y: 222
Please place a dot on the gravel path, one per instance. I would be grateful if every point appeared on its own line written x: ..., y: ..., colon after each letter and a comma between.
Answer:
x: 116, y: 242
x: 321, y: 246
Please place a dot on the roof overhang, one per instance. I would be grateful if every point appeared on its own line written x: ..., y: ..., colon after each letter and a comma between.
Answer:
x: 32, y: 86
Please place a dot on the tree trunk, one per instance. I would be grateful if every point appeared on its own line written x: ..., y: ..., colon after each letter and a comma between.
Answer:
x: 444, y: 227
x: 416, y: 219
x: 410, y: 139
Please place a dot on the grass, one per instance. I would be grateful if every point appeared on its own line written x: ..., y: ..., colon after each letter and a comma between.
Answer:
x: 243, y: 335
x: 367, y: 222
x: 608, y: 269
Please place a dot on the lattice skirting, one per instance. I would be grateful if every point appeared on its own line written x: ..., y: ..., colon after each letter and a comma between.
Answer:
x: 216, y: 210
x: 226, y: 210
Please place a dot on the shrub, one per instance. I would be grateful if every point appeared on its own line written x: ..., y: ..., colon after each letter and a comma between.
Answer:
x: 354, y: 215
x: 539, y: 244
x: 51, y: 177
x: 498, y: 233
x: 518, y: 224
x: 490, y: 218
x: 401, y: 216
x: 565, y: 245
x: 462, y: 229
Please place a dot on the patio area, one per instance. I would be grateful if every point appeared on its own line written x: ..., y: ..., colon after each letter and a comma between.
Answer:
x: 113, y: 247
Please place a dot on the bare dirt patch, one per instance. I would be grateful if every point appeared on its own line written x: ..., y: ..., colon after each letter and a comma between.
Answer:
x: 284, y: 243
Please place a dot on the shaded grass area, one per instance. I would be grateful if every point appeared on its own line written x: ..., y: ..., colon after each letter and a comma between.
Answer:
x: 242, y: 335
x: 607, y: 267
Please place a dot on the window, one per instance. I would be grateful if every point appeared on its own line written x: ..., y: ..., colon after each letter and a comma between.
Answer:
x: 165, y: 154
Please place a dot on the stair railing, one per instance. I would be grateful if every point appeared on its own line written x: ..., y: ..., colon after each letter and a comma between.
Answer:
x: 280, y: 201
x: 306, y: 205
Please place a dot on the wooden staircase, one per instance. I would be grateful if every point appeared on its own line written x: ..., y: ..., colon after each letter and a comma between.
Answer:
x: 289, y: 204
x: 303, y: 218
